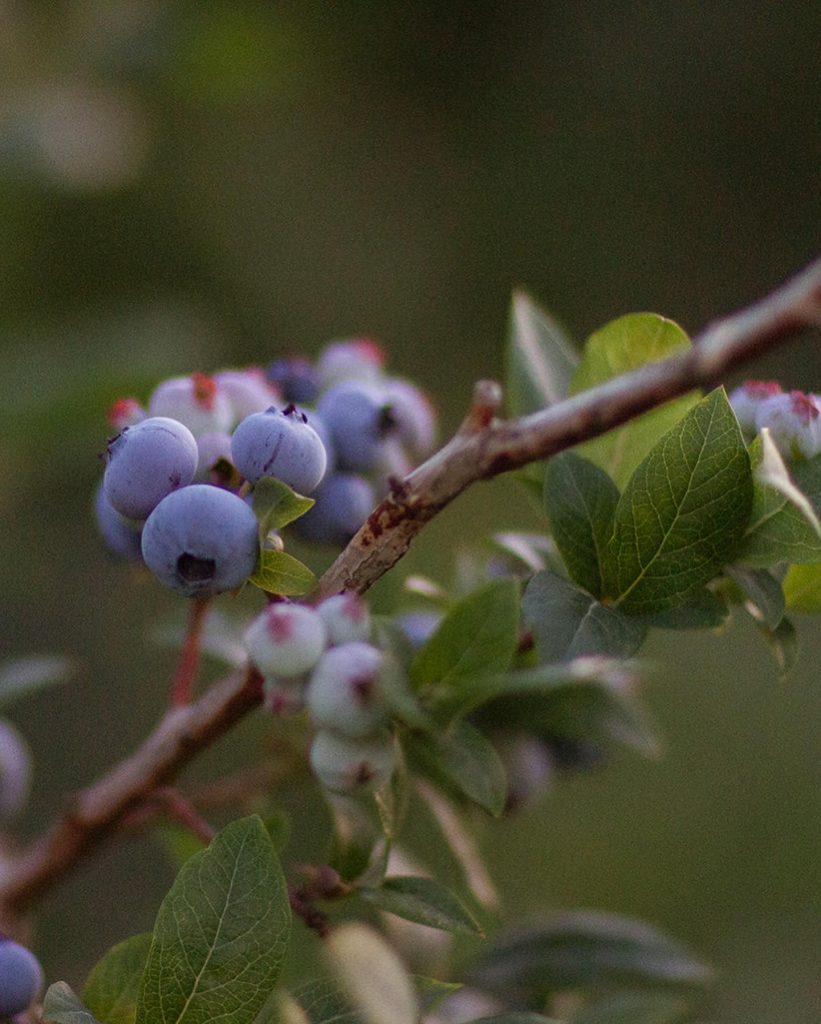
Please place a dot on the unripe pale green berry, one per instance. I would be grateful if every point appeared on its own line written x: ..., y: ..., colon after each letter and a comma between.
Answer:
x: 349, y: 766
x: 286, y: 639
x: 346, y: 618
x: 346, y: 692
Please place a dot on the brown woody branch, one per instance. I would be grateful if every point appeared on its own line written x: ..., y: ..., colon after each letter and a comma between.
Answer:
x: 484, y: 447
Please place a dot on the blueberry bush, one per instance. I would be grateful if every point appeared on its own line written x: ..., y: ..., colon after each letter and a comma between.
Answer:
x: 667, y: 505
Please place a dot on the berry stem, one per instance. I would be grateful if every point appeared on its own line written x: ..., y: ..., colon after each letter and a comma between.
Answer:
x: 182, y: 689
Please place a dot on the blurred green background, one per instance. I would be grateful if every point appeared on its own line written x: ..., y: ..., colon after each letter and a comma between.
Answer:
x: 190, y: 185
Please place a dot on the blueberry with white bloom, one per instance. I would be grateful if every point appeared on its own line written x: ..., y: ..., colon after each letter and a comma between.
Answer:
x: 201, y: 541
x: 343, y: 503
x: 21, y: 978
x: 747, y: 398
x: 348, y: 766
x: 146, y: 462
x: 15, y: 770
x: 196, y: 400
x: 346, y: 618
x: 360, y: 419
x: 295, y: 377
x: 414, y: 414
x: 248, y: 391
x: 281, y: 444
x: 211, y: 449
x: 286, y: 640
x: 346, y: 692
x: 120, y: 535
x: 794, y: 422
x: 350, y: 359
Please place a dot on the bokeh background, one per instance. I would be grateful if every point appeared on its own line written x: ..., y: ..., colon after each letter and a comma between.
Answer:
x: 190, y: 185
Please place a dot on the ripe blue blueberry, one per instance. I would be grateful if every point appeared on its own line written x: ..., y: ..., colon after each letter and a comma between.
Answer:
x: 119, y: 535
x: 350, y: 359
x: 359, y: 418
x: 348, y: 766
x: 346, y: 693
x: 296, y: 379
x: 21, y: 978
x: 346, y: 618
x: 286, y: 640
x: 794, y: 423
x: 146, y: 462
x: 414, y: 414
x: 343, y: 503
x: 15, y: 770
x: 201, y: 541
x: 196, y: 401
x: 282, y: 445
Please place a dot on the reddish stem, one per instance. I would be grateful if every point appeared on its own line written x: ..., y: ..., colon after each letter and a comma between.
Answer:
x: 182, y: 689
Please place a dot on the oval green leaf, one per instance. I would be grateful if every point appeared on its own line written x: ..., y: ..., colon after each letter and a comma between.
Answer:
x: 113, y: 986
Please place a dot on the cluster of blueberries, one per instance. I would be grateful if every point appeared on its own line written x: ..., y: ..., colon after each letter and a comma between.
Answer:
x: 793, y: 418
x: 337, y: 429
x: 322, y: 659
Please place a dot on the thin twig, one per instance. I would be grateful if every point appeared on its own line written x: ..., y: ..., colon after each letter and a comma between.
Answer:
x: 182, y: 689
x: 484, y: 447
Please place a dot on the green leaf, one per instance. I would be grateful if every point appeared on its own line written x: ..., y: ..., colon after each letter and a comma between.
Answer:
x: 479, y: 634
x: 704, y: 610
x: 462, y: 759
x: 683, y: 512
x: 633, y: 1008
x: 371, y: 975
x: 323, y: 1002
x: 582, y: 950
x: 620, y: 346
x: 765, y: 598
x: 580, y: 501
x: 27, y: 675
x: 275, y: 505
x: 568, y: 622
x: 540, y: 357
x: 221, y: 933
x: 61, y: 1006
x: 280, y: 573
x: 424, y: 901
x: 802, y: 588
x: 113, y: 986
x: 783, y: 524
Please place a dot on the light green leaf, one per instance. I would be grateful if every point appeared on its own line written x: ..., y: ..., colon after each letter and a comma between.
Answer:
x: 27, y: 675
x: 765, y: 598
x: 323, y: 1003
x: 620, y: 346
x: 424, y: 901
x: 372, y: 975
x: 281, y: 573
x: 633, y: 1008
x: 582, y: 950
x: 479, y: 634
x: 275, y: 505
x: 113, y: 986
x: 462, y: 759
x: 221, y: 933
x: 540, y: 357
x: 783, y: 524
x: 802, y: 588
x: 567, y: 622
x: 61, y: 1006
x: 683, y: 512
x: 580, y: 501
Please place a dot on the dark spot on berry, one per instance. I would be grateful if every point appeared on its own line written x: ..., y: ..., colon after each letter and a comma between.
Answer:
x: 289, y: 410
x: 386, y: 422
x: 193, y: 569
x: 362, y: 689
x: 364, y: 773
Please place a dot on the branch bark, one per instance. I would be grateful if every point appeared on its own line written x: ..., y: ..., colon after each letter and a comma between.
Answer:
x: 484, y: 447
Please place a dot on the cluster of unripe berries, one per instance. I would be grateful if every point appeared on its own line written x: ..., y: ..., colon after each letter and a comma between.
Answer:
x: 337, y: 430
x: 322, y: 659
x: 793, y: 418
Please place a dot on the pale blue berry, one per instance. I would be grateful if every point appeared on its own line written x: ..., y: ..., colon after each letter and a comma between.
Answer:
x: 414, y: 415
x: 282, y: 445
x: 360, y: 419
x: 286, y: 640
x: 794, y: 422
x: 346, y: 692
x: 350, y: 359
x: 346, y: 618
x: 343, y: 503
x: 248, y: 391
x: 146, y: 462
x: 196, y: 401
x: 21, y: 978
x: 747, y: 398
x: 347, y: 766
x: 120, y: 536
x: 201, y: 541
